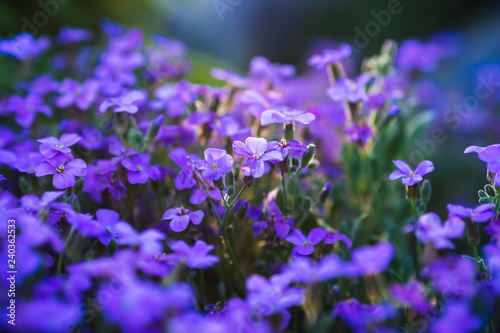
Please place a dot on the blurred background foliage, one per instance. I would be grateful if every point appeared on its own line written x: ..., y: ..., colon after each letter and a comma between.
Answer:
x: 228, y: 33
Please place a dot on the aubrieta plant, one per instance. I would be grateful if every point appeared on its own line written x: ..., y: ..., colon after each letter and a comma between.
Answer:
x: 145, y: 202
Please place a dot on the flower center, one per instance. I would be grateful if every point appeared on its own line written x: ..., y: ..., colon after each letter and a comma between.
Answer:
x: 307, y: 243
x: 282, y: 143
x: 59, y: 146
x: 139, y: 168
x: 60, y: 169
x: 214, y: 166
x: 255, y: 156
x: 411, y: 173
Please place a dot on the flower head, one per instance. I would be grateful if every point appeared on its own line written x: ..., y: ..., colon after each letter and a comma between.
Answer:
x: 24, y: 46
x: 52, y: 146
x: 305, y: 245
x: 180, y: 218
x: 481, y: 213
x: 256, y: 151
x: 82, y: 95
x: 196, y: 256
x: 330, y: 57
x: 411, y: 177
x: 65, y: 173
x: 216, y: 163
x: 430, y: 229
x: 139, y: 170
x: 284, y: 116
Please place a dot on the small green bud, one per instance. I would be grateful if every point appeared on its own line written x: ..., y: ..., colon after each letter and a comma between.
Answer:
x: 230, y: 191
x: 112, y: 247
x: 490, y: 191
x: 484, y: 200
x: 482, y: 194
x: 306, y: 203
x: 24, y: 185
x: 153, y: 129
x: 307, y: 157
x: 426, y: 191
x: 135, y: 138
x: 78, y: 186
x: 295, y: 164
x: 229, y: 179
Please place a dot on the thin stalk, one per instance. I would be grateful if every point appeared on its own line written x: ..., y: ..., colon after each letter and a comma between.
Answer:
x: 476, y: 258
x: 285, y: 194
x: 213, y: 207
x: 418, y: 245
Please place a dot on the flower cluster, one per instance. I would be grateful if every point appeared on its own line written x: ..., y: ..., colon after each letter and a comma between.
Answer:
x: 263, y: 204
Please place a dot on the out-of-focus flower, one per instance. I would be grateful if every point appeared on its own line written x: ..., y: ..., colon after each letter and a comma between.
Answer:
x: 196, y: 256
x: 180, y: 218
x: 353, y: 91
x: 333, y: 236
x: 330, y: 57
x: 430, y: 229
x: 456, y: 318
x: 356, y: 132
x: 32, y: 203
x: 69, y: 35
x: 369, y: 260
x: 25, y: 109
x: 24, y: 46
x: 361, y: 315
x: 127, y: 102
x: 411, y: 177
x: 411, y: 294
x: 284, y: 116
x: 481, y: 213
x: 82, y: 95
x: 256, y: 151
x: 305, y: 245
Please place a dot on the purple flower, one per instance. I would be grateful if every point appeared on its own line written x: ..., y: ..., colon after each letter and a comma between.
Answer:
x: 26, y: 108
x: 261, y: 67
x: 285, y: 147
x: 139, y: 170
x: 481, y: 213
x: 456, y: 318
x: 29, y: 162
x: 393, y: 110
x: 369, y: 260
x: 360, y: 315
x: 64, y: 172
x: 189, y: 165
x: 216, y: 163
x: 409, y: 177
x: 412, y: 294
x: 86, y: 225
x: 228, y: 126
x: 256, y: 151
x: 273, y: 295
x: 40, y: 85
x: 452, y: 276
x: 82, y: 95
x: 52, y: 146
x: 430, y: 229
x: 196, y: 256
x: 305, y: 245
x: 127, y: 102
x: 356, y: 132
x: 180, y: 218
x: 353, y: 91
x: 473, y: 149
x: 69, y: 35
x: 32, y: 203
x: 281, y: 226
x: 284, y: 116
x: 24, y: 46
x: 198, y: 197
x: 333, y: 236
x: 109, y: 219
x: 330, y: 57
x: 490, y: 155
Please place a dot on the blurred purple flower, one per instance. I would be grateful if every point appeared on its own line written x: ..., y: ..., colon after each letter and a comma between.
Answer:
x: 333, y: 236
x: 24, y: 46
x: 180, y: 218
x: 481, y: 213
x: 353, y: 91
x: 284, y: 116
x: 196, y: 256
x: 411, y: 294
x: 127, y: 102
x: 68, y: 35
x: 430, y: 229
x: 330, y: 57
x: 369, y: 260
x: 25, y: 109
x: 356, y: 132
x: 32, y: 203
x: 490, y: 155
x: 82, y: 95
x: 409, y: 177
x: 456, y: 318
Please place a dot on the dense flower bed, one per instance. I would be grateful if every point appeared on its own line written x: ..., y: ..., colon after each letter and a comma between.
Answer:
x: 143, y: 202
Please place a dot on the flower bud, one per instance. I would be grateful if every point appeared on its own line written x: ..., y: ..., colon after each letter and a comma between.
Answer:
x: 135, y: 138
x: 153, y: 129
x: 229, y: 179
x: 307, y: 157
x: 413, y: 192
x: 295, y: 164
x: 248, y: 181
x: 426, y: 191
x: 325, y: 192
x: 490, y: 191
x: 78, y: 186
x: 306, y: 203
x: 219, y: 183
x: 112, y: 247
x: 482, y: 194
x: 230, y: 191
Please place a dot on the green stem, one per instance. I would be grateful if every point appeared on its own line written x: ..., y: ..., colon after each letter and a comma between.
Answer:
x: 213, y: 207
x: 285, y: 194
x: 418, y: 245
x: 476, y: 258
